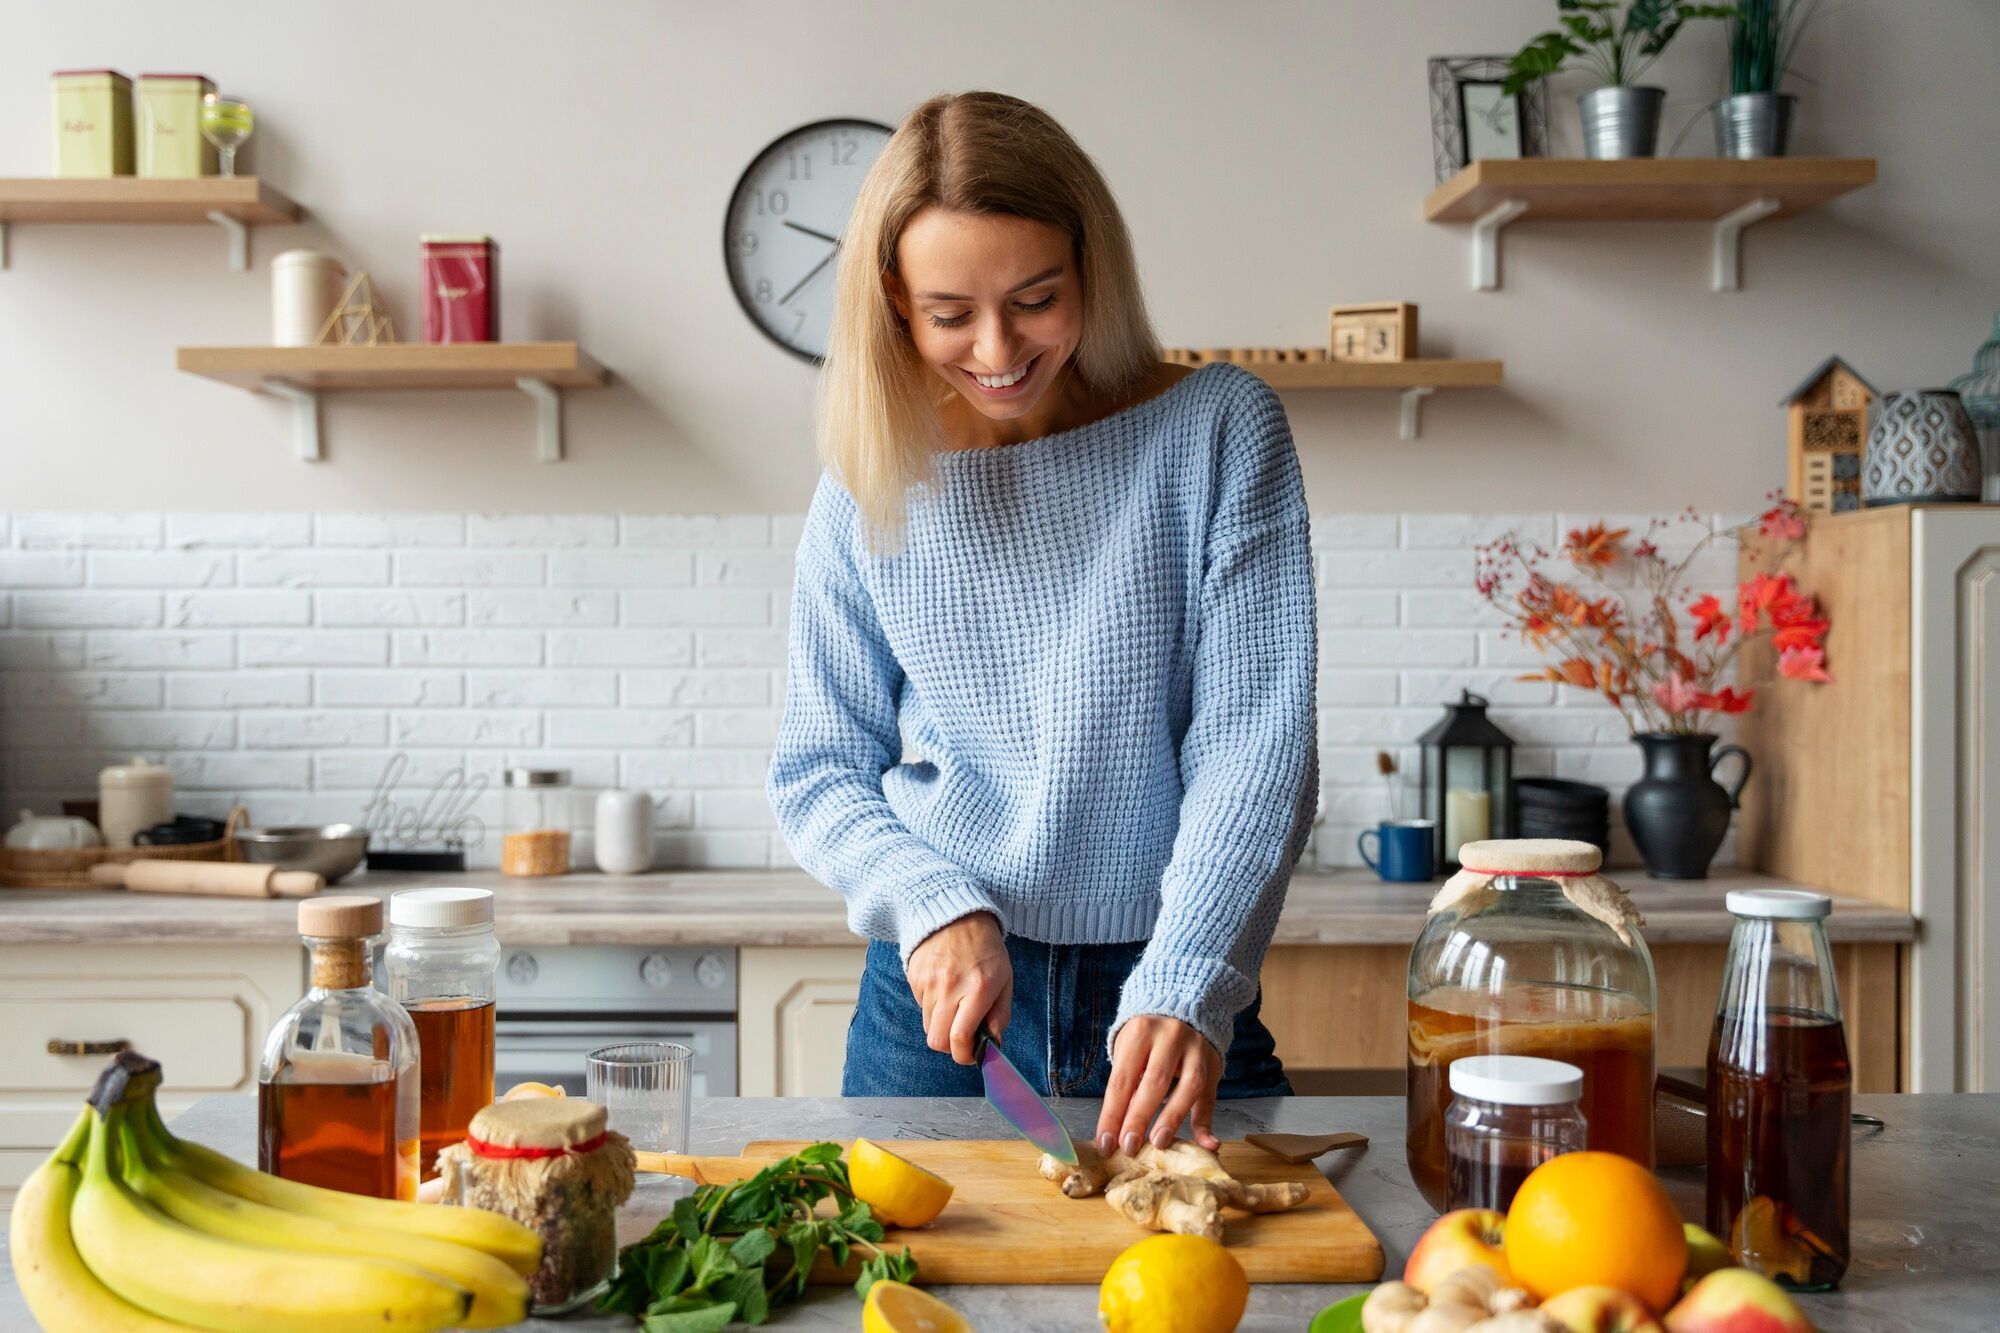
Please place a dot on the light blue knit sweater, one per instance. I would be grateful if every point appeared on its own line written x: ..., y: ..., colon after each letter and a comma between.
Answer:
x: 1099, y: 646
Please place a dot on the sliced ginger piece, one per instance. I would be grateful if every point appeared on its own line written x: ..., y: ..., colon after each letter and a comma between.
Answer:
x: 1182, y: 1188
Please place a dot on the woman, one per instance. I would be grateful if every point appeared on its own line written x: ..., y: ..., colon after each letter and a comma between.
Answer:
x: 1049, y: 716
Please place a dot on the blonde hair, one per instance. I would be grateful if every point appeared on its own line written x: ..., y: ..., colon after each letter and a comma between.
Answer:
x: 977, y: 152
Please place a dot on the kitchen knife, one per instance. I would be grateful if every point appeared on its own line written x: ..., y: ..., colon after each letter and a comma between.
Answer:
x: 1018, y: 1103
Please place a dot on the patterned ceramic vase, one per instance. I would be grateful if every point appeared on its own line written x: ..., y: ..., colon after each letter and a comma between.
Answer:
x: 1922, y: 449
x: 1980, y: 391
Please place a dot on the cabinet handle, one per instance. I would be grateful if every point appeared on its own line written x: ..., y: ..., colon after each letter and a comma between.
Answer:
x: 58, y: 1046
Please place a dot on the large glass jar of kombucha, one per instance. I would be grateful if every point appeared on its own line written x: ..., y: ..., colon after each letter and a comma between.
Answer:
x: 1529, y: 951
x: 441, y: 965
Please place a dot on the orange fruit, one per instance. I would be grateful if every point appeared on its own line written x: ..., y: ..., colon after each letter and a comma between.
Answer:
x: 1590, y: 1219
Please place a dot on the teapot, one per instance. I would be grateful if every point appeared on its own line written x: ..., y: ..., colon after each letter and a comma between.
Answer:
x: 43, y: 833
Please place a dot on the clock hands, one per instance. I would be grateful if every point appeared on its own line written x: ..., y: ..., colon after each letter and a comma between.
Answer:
x: 786, y: 299
x: 810, y: 232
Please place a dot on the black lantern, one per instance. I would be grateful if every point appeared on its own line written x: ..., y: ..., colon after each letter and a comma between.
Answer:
x: 1467, y: 776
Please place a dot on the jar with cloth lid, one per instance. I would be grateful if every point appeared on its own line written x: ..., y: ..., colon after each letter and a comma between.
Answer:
x: 1528, y: 950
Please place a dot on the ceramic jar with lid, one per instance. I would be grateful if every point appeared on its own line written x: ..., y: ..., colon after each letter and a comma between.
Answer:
x: 305, y: 287
x: 1922, y: 450
x: 131, y: 797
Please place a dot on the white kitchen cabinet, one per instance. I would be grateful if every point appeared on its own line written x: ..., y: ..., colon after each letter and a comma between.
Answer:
x: 200, y: 1010
x: 793, y: 1006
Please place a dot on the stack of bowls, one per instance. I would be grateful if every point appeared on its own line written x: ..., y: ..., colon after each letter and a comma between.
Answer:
x: 1553, y: 808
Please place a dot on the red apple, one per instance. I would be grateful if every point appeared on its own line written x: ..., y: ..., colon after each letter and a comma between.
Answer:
x: 1601, y: 1310
x: 1736, y: 1300
x: 1463, y: 1238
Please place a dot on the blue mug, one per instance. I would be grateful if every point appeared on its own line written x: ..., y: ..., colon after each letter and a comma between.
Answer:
x: 1405, y: 850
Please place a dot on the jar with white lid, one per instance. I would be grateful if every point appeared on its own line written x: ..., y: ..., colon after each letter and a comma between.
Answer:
x: 131, y: 797
x: 1509, y: 1114
x: 441, y: 966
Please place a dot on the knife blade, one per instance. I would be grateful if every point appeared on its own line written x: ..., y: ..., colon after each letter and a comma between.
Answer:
x: 1010, y: 1093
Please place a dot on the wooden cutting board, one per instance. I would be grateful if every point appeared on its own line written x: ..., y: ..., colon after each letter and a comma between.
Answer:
x: 1005, y: 1224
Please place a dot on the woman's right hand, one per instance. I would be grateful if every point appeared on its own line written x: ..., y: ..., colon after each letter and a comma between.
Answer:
x: 961, y: 976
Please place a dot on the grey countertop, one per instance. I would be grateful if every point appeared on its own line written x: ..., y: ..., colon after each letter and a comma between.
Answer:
x: 788, y: 907
x: 1926, y: 1245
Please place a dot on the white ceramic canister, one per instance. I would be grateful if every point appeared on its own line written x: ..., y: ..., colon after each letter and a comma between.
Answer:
x: 131, y: 797
x: 305, y: 287
x: 624, y: 833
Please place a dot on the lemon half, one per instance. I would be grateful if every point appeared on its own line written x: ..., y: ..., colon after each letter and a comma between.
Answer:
x: 901, y: 1193
x: 896, y: 1307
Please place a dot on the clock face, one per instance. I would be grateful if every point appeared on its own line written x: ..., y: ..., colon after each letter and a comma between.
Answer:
x: 785, y: 223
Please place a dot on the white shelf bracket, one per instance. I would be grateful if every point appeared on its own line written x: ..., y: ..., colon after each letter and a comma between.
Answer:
x: 548, y: 417
x: 239, y: 240
x: 305, y: 416
x: 1728, y: 260
x: 1413, y: 399
x: 3, y: 242
x: 1486, y: 242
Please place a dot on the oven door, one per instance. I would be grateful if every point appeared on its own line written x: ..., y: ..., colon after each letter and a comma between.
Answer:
x: 552, y: 1050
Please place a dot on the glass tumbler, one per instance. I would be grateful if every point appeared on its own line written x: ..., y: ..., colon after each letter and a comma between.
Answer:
x: 643, y: 1087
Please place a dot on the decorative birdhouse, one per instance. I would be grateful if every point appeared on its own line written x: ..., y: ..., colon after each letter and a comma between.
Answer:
x: 1829, y: 429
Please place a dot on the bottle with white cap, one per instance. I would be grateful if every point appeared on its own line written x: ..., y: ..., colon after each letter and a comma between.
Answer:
x: 441, y: 965
x: 1509, y: 1114
x: 1779, y: 1094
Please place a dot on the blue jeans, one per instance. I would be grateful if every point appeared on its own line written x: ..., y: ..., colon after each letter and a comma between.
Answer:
x: 1065, y: 996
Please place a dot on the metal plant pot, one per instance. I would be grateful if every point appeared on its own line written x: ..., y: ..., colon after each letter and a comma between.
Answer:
x: 1753, y: 124
x: 1621, y: 122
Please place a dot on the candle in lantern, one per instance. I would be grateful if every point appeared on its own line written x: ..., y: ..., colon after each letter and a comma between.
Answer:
x: 1467, y: 818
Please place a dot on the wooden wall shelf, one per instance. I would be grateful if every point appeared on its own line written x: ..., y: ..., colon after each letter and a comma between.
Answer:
x: 300, y: 374
x: 1417, y: 378
x: 1726, y: 192
x: 234, y: 203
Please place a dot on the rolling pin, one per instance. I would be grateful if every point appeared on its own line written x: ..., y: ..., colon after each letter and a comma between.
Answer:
x: 215, y: 879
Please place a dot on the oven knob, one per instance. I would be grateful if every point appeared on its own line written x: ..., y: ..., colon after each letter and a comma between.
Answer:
x: 710, y: 971
x: 656, y: 971
x: 523, y: 969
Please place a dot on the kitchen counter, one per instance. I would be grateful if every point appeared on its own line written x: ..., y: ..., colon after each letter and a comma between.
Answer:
x: 788, y: 907
x: 1926, y: 1248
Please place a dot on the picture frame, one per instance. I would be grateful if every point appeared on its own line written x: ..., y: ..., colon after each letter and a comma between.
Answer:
x: 1471, y: 117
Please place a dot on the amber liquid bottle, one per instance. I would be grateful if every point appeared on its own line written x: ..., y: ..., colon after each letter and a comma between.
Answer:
x: 337, y: 1084
x: 441, y: 965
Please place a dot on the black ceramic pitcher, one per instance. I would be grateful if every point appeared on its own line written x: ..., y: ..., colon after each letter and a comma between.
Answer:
x: 1678, y: 813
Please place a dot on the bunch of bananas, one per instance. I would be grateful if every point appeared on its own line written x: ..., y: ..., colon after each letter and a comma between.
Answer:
x: 127, y: 1229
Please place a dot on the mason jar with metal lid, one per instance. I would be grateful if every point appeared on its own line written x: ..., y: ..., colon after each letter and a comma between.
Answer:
x: 538, y: 811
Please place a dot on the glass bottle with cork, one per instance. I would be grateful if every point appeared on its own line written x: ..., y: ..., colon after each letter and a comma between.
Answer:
x: 337, y: 1087
x: 1779, y: 1094
x: 441, y: 965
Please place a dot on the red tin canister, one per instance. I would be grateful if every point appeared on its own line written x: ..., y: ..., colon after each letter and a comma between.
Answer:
x: 461, y: 281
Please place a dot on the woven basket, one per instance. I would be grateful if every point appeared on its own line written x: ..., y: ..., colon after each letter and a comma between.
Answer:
x: 69, y: 868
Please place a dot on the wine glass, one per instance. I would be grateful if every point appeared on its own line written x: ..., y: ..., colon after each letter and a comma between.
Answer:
x: 226, y: 122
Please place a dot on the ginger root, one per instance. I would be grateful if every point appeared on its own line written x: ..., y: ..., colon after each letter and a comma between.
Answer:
x: 1472, y: 1300
x: 1182, y: 1188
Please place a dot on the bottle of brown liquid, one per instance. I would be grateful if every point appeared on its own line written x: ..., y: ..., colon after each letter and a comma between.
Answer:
x: 440, y: 965
x: 337, y: 1085
x: 1779, y: 1094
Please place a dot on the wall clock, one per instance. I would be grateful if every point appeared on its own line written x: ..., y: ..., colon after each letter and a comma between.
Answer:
x: 784, y: 226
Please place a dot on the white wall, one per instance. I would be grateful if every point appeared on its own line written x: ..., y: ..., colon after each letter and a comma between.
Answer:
x: 1271, y: 158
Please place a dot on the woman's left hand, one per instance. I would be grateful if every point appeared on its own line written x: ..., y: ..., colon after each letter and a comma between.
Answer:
x: 1158, y: 1060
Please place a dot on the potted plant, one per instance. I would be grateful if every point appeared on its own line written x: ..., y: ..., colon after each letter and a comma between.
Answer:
x: 1619, y: 620
x: 1618, y: 41
x: 1755, y: 118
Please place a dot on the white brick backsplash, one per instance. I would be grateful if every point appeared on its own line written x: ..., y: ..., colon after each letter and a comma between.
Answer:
x: 315, y: 728
x: 86, y: 610
x: 1351, y: 609
x: 623, y: 728
x: 239, y: 689
x: 1353, y: 688
x: 471, y: 569
x: 1396, y: 569
x: 162, y: 569
x: 40, y: 569
x: 720, y: 727
x: 239, y: 529
x: 541, y: 689
x: 658, y: 769
x: 88, y: 532
x: 722, y: 851
x: 352, y: 609
x: 229, y: 610
x: 362, y: 770
x: 1564, y: 727
x: 161, y: 731
x: 32, y: 652
x: 681, y: 689
x: 641, y: 648
x: 81, y: 689
x: 468, y: 648
x: 1382, y: 647
x: 1501, y: 687
x: 786, y: 531
x: 542, y: 607
x: 208, y: 649
x: 1448, y: 607
x: 1465, y: 531
x: 240, y: 771
x: 314, y: 648
x: 1505, y: 648
x: 389, y: 530
x: 467, y: 727
x: 621, y: 569
x: 733, y: 810
x: 1384, y: 727
x: 744, y: 569
x: 728, y: 648
x: 696, y: 607
x: 388, y: 689
x: 711, y: 530
x: 1614, y: 767
x: 44, y: 727
x: 1343, y: 531
x: 541, y: 531
x: 313, y: 569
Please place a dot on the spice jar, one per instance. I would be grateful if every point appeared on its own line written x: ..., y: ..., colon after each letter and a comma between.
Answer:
x: 538, y: 815
x: 1509, y: 1114
x: 440, y: 966
x: 551, y: 1164
x: 1528, y: 950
